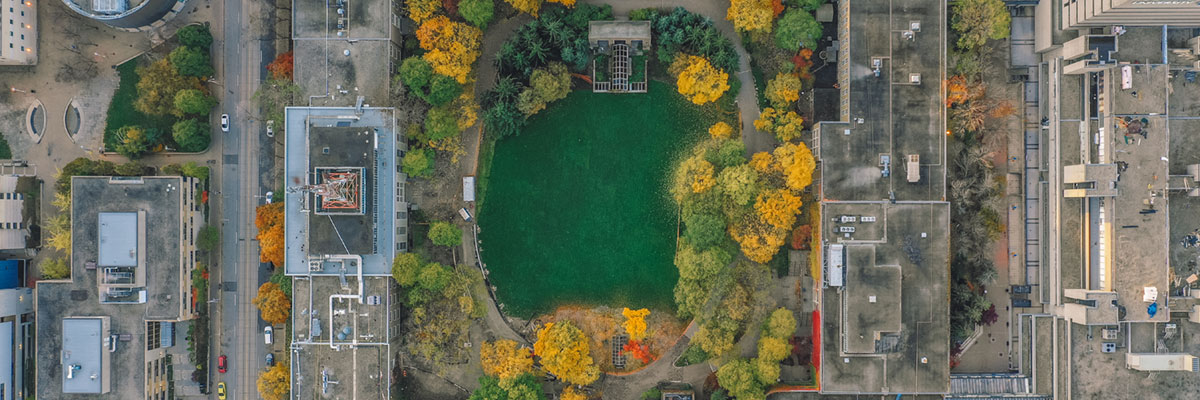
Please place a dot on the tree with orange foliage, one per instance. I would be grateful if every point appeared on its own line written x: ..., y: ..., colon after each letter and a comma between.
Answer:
x: 269, y: 220
x: 638, y: 350
x: 635, y: 323
x: 752, y: 15
x: 274, y: 304
x: 451, y: 47
x: 720, y: 130
x: 275, y: 382
x: 505, y: 359
x: 570, y: 393
x: 784, y: 90
x: 698, y: 80
x: 567, y: 3
x: 530, y: 7
x: 785, y: 125
x: 422, y: 10
x: 758, y: 240
x: 281, y: 68
x: 958, y: 91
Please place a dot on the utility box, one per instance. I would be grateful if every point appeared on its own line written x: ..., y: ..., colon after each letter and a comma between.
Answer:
x: 914, y: 168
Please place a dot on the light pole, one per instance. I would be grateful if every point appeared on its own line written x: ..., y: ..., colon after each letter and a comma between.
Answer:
x: 14, y: 90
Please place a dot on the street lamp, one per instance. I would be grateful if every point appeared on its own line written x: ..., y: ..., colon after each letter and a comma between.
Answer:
x: 14, y: 90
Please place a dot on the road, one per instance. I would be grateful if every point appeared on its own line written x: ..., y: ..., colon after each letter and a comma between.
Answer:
x: 237, y: 327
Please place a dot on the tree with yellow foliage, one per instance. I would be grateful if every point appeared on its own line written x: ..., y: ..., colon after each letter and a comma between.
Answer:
x: 570, y: 393
x: 565, y: 352
x: 567, y: 3
x: 421, y: 10
x: 762, y: 162
x: 698, y: 80
x: 505, y: 359
x: 751, y: 15
x: 530, y: 7
x: 451, y: 47
x: 694, y: 175
x: 720, y: 130
x: 778, y: 207
x: 797, y: 163
x: 758, y: 241
x: 274, y: 304
x: 784, y: 125
x: 783, y: 90
x: 275, y: 382
x: 635, y: 323
x: 269, y: 220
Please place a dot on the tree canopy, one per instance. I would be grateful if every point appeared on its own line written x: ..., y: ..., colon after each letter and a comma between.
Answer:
x: 191, y: 61
x: 505, y: 359
x: 698, y: 80
x: 134, y: 141
x: 976, y: 21
x: 194, y: 102
x: 157, y: 85
x: 191, y: 134
x: 783, y: 90
x: 477, y: 12
x: 275, y: 382
x: 269, y: 220
x: 195, y: 36
x: 797, y: 28
x: 273, y: 303
x: 443, y: 233
x: 450, y: 47
x: 751, y: 15
x: 566, y: 353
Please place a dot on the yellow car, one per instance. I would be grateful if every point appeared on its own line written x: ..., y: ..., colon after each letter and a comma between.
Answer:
x: 221, y: 390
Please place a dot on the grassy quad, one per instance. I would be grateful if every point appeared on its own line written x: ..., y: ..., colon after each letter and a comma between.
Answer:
x: 577, y: 210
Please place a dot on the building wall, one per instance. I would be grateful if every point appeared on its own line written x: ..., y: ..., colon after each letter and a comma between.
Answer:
x: 18, y: 38
x: 191, y: 216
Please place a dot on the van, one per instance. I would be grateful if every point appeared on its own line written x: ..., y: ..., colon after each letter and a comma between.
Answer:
x: 267, y: 334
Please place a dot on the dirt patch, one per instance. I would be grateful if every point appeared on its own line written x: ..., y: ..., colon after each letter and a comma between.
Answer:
x: 603, y: 325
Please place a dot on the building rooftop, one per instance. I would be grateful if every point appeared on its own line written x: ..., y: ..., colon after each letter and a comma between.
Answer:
x: 893, y: 113
x: 118, y: 247
x: 83, y: 355
x: 340, y: 343
x: 354, y: 19
x: 158, y: 203
x: 898, y: 343
x: 609, y: 30
x: 370, y: 220
x: 333, y: 73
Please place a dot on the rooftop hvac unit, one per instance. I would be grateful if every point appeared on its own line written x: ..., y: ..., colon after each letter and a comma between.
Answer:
x: 913, y: 168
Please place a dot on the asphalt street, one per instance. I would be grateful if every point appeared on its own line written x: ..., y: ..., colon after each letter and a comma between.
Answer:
x: 237, y: 327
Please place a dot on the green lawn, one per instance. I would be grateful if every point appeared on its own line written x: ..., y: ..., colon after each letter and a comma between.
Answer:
x: 577, y: 209
x: 121, y: 112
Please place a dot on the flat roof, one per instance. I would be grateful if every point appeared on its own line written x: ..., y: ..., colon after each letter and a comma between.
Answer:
x: 361, y: 362
x: 608, y: 30
x: 83, y: 347
x: 907, y: 270
x: 872, y: 296
x: 359, y: 19
x: 330, y: 77
x: 323, y: 137
x: 888, y: 115
x: 118, y: 239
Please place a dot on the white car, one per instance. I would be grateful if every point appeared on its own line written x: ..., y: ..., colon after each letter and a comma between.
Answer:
x: 267, y: 334
x: 271, y: 128
x: 224, y: 122
x: 269, y: 196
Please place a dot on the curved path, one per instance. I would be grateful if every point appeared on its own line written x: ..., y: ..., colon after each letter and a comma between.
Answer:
x: 620, y: 386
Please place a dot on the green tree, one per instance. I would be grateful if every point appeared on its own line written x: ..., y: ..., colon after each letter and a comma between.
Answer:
x: 781, y: 324
x: 523, y: 387
x: 700, y: 265
x: 725, y: 153
x: 783, y: 90
x: 441, y: 123
x: 739, y: 378
x: 416, y: 73
x: 191, y: 61
x: 810, y: 5
x: 157, y: 85
x: 976, y: 21
x: 418, y: 163
x: 442, y: 89
x: 551, y: 83
x: 405, y: 268
x: 445, y: 234
x: 195, y: 36
x: 477, y: 12
x: 798, y: 29
x: 192, y: 170
x: 190, y: 134
x: 55, y: 268
x: 740, y: 184
x: 704, y: 230
x: 134, y: 141
x: 209, y: 238
x: 193, y: 101
x: 273, y: 97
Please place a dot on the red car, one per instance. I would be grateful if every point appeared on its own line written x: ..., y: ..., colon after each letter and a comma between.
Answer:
x: 221, y: 364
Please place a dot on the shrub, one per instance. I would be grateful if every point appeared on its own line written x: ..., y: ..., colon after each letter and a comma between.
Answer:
x: 191, y: 135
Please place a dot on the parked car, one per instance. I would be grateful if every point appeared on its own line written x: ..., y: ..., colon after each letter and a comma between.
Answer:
x: 221, y: 364
x: 270, y: 359
x: 271, y: 128
x: 224, y: 122
x: 221, y: 391
x: 270, y: 196
x: 267, y: 334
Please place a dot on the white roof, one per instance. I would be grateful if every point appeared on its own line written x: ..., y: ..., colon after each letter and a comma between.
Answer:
x: 468, y: 188
x: 118, y: 239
